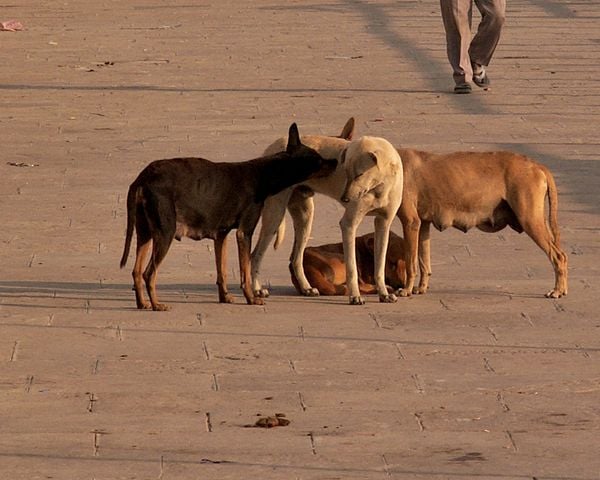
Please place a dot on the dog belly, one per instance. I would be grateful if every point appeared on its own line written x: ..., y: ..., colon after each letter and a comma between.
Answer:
x: 183, y: 230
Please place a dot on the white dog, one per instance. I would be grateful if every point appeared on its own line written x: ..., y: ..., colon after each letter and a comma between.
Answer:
x: 299, y: 202
x: 374, y: 184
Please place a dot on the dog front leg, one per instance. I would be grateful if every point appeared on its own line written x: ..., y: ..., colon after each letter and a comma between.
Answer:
x: 382, y: 235
x: 348, y: 224
x: 243, y: 242
x: 302, y: 209
x: 221, y: 261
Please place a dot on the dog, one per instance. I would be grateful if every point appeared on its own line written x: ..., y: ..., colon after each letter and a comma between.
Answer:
x: 487, y: 190
x: 326, y: 271
x: 426, y: 190
x: 196, y: 198
x: 299, y: 201
x: 374, y: 184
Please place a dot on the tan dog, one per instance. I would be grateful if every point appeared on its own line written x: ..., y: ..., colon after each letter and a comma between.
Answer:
x: 326, y: 271
x: 374, y: 184
x: 487, y: 190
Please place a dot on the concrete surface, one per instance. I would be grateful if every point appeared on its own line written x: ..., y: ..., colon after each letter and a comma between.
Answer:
x: 480, y: 378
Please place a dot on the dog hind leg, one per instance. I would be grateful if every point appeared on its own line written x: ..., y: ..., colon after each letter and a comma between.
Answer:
x: 535, y: 226
x: 411, y: 225
x: 243, y: 242
x: 143, y: 249
x: 160, y: 247
x: 160, y: 215
x: 221, y: 263
x: 301, y: 208
x: 272, y: 215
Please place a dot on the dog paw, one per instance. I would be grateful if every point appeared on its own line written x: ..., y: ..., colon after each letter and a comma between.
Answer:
x: 144, y: 306
x: 262, y: 293
x: 256, y: 301
x: 357, y: 300
x: 161, y: 307
x: 310, y: 292
x: 555, y: 294
x: 227, y: 298
x: 403, y: 292
x: 390, y: 298
x: 419, y: 290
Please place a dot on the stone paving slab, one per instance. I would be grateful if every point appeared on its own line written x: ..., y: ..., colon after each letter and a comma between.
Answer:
x: 480, y: 378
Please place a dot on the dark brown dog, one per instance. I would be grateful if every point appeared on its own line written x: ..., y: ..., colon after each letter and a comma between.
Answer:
x: 325, y: 269
x: 196, y: 198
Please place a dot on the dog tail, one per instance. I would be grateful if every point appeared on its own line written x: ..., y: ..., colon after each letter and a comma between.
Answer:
x: 553, y: 206
x: 131, y: 207
x: 280, y: 235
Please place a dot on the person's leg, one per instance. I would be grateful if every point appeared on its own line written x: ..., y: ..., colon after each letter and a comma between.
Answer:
x: 456, y: 15
x: 488, y: 34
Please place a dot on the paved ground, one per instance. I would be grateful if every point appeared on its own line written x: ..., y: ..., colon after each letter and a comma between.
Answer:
x: 481, y: 378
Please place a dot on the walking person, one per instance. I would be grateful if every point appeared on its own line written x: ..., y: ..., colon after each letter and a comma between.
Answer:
x: 469, y: 58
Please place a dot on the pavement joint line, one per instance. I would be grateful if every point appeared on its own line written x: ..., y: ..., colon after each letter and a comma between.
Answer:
x: 302, y: 403
x: 412, y: 343
x: 162, y: 467
x: 215, y: 385
x: 527, y: 318
x: 208, y: 422
x: 512, y: 440
x: 301, y: 333
x: 493, y: 334
x: 96, y: 367
x: 14, y: 352
x: 386, y: 466
x: 28, y: 383
x: 444, y: 305
x: 292, y: 366
x: 502, y: 402
x: 399, y: 350
x: 313, y: 447
x: 487, y: 365
x: 583, y: 351
x: 91, y: 402
x: 205, y: 350
x: 418, y: 383
x: 119, y: 333
x: 375, y: 319
x: 419, y: 418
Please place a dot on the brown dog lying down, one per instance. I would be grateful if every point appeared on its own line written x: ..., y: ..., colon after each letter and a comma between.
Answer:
x: 325, y: 269
x: 196, y: 198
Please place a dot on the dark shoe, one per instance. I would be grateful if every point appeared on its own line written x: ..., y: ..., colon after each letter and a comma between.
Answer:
x: 462, y: 88
x: 482, y: 80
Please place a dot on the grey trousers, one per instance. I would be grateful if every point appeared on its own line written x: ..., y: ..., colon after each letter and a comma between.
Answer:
x: 462, y: 51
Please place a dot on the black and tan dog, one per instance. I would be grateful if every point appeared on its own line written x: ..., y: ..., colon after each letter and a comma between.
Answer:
x: 325, y: 268
x: 196, y: 198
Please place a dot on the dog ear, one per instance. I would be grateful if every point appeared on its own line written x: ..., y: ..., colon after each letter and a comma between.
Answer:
x: 293, y: 138
x: 342, y: 156
x: 348, y: 130
x: 373, y: 157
